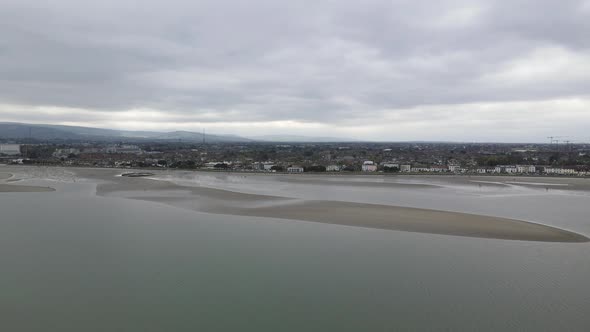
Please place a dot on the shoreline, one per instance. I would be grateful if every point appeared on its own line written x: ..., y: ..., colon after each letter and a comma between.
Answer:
x: 341, y: 173
x: 575, y: 183
x: 6, y: 178
x: 375, y: 216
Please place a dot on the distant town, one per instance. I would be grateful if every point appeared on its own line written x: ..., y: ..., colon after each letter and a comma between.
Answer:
x: 563, y: 159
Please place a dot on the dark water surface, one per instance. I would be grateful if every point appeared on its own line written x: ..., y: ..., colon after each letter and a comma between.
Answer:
x: 70, y: 261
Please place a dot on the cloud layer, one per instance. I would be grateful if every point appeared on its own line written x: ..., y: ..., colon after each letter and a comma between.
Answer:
x: 377, y: 69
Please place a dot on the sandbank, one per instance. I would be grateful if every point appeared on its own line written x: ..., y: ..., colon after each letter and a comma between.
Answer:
x: 376, y: 216
x: 8, y: 188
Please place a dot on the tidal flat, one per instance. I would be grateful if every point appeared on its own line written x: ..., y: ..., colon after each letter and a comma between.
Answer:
x: 187, y: 251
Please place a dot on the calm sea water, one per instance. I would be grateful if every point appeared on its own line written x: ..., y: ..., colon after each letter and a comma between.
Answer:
x: 71, y: 261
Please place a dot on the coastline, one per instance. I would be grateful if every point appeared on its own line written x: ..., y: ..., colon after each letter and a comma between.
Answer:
x: 389, y: 217
x: 218, y: 201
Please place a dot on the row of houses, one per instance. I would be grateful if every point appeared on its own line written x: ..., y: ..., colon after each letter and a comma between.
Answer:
x: 529, y: 169
x: 369, y: 166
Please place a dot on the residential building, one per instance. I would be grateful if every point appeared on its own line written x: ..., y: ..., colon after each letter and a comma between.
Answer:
x: 333, y: 168
x: 454, y: 168
x: 439, y: 169
x: 10, y: 149
x: 120, y: 149
x: 390, y: 165
x: 64, y: 153
x: 295, y: 169
x: 526, y: 169
x: 369, y: 166
x: 267, y: 166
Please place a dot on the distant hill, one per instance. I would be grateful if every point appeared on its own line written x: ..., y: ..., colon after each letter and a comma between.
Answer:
x: 300, y: 139
x: 57, y: 132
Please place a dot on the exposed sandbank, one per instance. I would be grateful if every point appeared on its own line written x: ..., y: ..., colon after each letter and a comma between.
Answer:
x: 533, y: 182
x: 220, y: 201
x: 354, y: 182
x: 333, y: 212
x: 8, y: 188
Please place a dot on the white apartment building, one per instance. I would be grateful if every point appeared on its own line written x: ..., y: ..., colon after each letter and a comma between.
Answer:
x: 526, y: 169
x: 390, y: 165
x: 369, y: 166
x: 333, y: 168
x: 560, y: 171
x: 454, y: 168
x: 10, y: 149
x: 295, y: 169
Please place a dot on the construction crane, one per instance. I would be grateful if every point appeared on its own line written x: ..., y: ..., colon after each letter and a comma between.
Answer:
x: 553, y: 139
x: 571, y: 144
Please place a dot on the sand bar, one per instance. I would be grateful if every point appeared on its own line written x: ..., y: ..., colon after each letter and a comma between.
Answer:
x: 356, y: 183
x: 332, y: 212
x: 7, y: 188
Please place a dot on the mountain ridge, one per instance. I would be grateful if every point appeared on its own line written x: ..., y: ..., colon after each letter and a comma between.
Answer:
x: 16, y: 130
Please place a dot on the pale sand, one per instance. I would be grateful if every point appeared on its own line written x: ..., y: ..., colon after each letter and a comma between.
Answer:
x: 368, y: 181
x: 535, y: 182
x: 332, y: 212
x: 413, y: 220
x: 7, y: 188
x: 372, y: 184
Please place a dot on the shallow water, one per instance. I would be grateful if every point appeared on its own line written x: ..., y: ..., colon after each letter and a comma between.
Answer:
x: 72, y: 261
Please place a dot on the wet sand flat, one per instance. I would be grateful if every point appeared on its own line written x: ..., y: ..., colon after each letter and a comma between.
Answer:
x: 7, y: 188
x: 413, y: 220
x: 539, y: 182
x: 219, y: 201
x: 356, y: 183
x: 4, y: 176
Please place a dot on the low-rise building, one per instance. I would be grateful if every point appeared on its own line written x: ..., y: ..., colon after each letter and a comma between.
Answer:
x: 454, y: 168
x: 369, y: 166
x: 560, y: 171
x: 485, y: 170
x: 405, y: 168
x: 390, y: 165
x: 439, y: 169
x: 9, y: 149
x: 333, y: 168
x: 506, y: 169
x: 295, y: 169
x: 525, y: 169
x: 124, y: 148
x: 64, y: 153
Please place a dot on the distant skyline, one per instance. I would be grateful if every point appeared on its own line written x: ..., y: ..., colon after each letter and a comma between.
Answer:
x: 378, y: 70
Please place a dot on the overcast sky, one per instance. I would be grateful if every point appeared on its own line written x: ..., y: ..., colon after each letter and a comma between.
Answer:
x: 472, y: 70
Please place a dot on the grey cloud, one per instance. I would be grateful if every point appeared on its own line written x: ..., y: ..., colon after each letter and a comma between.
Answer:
x: 263, y: 60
